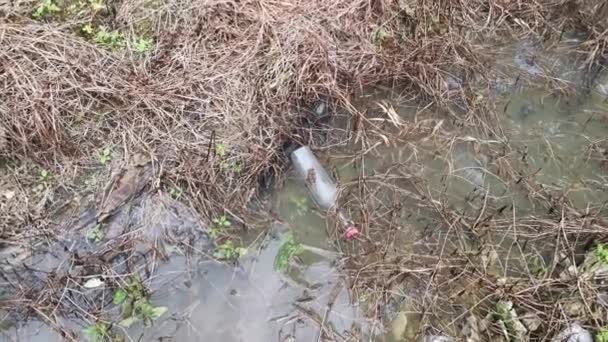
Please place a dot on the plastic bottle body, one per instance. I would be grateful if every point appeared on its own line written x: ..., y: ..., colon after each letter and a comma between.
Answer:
x: 322, y: 188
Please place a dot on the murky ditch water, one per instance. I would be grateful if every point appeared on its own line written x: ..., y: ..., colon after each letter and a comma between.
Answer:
x: 546, y: 138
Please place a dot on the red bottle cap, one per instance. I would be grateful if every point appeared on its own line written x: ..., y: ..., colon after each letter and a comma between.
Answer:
x: 351, y: 233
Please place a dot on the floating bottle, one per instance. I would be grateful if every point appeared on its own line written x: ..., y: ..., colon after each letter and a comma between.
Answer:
x: 321, y: 187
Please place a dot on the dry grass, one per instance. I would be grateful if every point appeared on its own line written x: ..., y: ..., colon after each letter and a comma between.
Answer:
x: 220, y: 93
x: 456, y: 262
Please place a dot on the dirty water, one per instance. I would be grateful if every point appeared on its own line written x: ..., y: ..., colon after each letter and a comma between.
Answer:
x: 250, y: 301
x: 547, y: 139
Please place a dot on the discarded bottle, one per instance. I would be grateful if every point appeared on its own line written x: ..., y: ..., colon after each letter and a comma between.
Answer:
x: 321, y: 187
x: 318, y: 182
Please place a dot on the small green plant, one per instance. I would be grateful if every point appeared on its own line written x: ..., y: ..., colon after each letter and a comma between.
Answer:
x: 110, y: 39
x: 380, y: 36
x: 96, y: 5
x: 601, y: 253
x: 142, y: 45
x: 44, y: 176
x: 136, y: 305
x: 88, y: 30
x: 95, y: 233
x: 301, y: 204
x: 236, y: 167
x: 220, y: 150
x: 219, y: 224
x: 503, y: 313
x: 98, y: 332
x: 537, y: 265
x: 228, y: 251
x: 46, y: 9
x: 288, y: 250
x: 507, y: 317
x: 43, y: 180
x: 105, y: 156
x: 175, y: 192
x: 601, y: 335
x: 222, y: 221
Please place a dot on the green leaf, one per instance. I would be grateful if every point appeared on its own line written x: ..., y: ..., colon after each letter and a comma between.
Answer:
x: 158, y: 311
x: 53, y: 8
x: 105, y: 156
x: 127, y: 309
x: 91, y: 334
x: 98, y: 332
x: 119, y: 296
x: 241, y: 251
x: 88, y: 29
x: 220, y: 254
x: 38, y: 12
x: 380, y: 36
x: 144, y: 307
x: 288, y: 250
x: 129, y: 321
x: 237, y: 168
x: 95, y: 233
x: 47, y: 7
x: 96, y: 5
x: 602, y: 335
x: 601, y: 252
x: 142, y: 45
x: 220, y: 150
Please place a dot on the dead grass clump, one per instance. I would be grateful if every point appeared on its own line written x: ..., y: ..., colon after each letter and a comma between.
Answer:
x: 213, y: 100
x: 461, y: 264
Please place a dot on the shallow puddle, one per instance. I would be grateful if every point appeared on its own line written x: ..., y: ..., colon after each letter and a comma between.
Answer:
x: 250, y: 301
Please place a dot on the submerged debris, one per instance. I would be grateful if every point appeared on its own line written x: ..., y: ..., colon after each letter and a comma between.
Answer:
x: 573, y: 333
